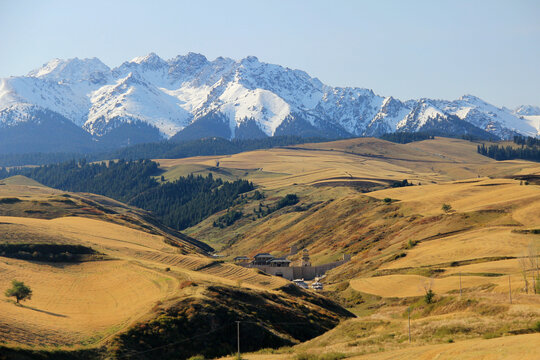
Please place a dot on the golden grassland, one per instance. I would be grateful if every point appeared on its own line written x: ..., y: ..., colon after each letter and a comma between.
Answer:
x: 366, y: 159
x: 506, y: 348
x: 85, y: 303
x: 401, y: 241
x: 482, y: 238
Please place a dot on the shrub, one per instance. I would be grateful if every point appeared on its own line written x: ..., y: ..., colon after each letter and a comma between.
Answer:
x: 289, y: 199
x: 428, y: 298
x: 9, y: 200
x: 387, y: 200
x: 411, y: 244
x: 446, y: 208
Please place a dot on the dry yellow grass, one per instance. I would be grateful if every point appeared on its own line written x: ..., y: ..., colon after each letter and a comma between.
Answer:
x: 510, y: 266
x: 365, y: 158
x: 521, y: 347
x: 471, y: 195
x: 83, y: 304
x: 101, y: 235
x: 506, y: 348
x: 414, y: 285
x: 77, y: 303
x: 136, y: 279
x: 474, y: 244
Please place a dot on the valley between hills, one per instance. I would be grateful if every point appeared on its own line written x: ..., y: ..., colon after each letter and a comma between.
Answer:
x: 131, y: 287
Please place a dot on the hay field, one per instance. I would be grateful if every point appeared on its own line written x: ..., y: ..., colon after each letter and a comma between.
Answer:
x: 502, y: 207
x: 77, y: 303
x: 413, y: 285
x: 365, y: 159
x: 518, y: 347
x: 507, y: 348
x: 473, y: 244
x: 470, y: 195
x: 100, y: 235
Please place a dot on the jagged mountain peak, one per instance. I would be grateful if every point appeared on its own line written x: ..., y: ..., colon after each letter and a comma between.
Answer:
x: 70, y: 70
x: 470, y: 98
x: 151, y: 59
x: 245, y: 97
x: 250, y: 60
x: 527, y: 110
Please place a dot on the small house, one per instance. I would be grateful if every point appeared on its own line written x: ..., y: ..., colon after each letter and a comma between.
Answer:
x: 280, y: 262
x: 262, y: 259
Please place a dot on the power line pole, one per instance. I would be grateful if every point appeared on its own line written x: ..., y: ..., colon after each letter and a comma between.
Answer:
x: 460, y: 284
x: 409, y: 315
x: 238, y: 337
x: 509, y: 289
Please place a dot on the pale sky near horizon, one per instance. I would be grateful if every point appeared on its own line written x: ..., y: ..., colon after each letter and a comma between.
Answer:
x: 406, y: 49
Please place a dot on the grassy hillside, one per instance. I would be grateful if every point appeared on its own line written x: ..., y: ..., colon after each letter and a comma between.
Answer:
x: 136, y: 274
x: 402, y: 240
x: 351, y: 199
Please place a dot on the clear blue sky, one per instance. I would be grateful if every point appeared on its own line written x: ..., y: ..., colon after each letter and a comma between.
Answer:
x: 407, y: 49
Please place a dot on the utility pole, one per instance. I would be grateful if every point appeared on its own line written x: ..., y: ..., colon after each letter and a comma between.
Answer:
x: 460, y: 284
x: 509, y: 289
x: 409, y: 315
x: 238, y: 337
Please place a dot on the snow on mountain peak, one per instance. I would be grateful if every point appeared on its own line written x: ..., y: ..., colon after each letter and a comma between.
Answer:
x: 170, y: 95
x: 527, y: 110
x: 70, y: 70
x: 151, y: 58
x: 470, y: 98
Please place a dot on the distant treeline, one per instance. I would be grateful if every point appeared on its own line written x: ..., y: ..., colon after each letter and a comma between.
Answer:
x: 178, y: 204
x: 527, y: 141
x: 529, y: 150
x: 161, y: 150
x: 406, y: 137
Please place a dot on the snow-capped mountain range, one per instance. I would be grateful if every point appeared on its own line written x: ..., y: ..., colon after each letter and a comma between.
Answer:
x: 148, y: 98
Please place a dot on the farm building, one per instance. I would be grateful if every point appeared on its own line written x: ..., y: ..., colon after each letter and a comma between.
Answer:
x: 282, y: 266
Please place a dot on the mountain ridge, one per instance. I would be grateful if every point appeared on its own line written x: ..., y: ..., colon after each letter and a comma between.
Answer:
x: 266, y: 99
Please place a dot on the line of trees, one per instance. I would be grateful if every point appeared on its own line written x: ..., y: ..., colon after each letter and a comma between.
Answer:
x: 527, y: 141
x: 499, y: 152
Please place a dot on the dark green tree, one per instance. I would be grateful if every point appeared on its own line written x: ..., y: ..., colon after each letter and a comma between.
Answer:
x: 428, y: 298
x: 19, y: 290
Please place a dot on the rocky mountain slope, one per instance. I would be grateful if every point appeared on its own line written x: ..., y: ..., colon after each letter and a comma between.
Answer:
x: 148, y: 99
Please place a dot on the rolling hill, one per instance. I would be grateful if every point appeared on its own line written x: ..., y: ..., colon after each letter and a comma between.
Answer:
x: 353, y: 199
x: 102, y: 271
x: 402, y: 241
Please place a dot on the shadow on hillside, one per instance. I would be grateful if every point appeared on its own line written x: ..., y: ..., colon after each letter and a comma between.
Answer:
x: 42, y: 311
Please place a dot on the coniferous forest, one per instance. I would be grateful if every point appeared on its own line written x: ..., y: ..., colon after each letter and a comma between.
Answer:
x: 178, y: 204
x: 529, y: 150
